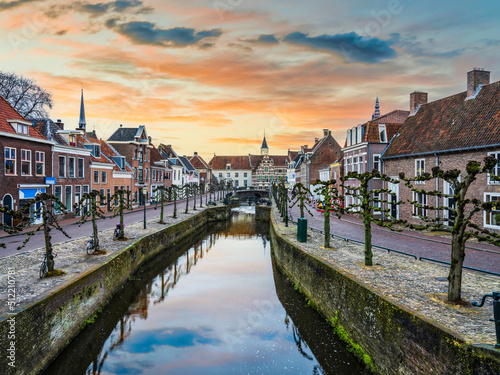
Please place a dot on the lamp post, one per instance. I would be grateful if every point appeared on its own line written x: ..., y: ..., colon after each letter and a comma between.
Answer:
x: 144, y: 191
x: 287, y: 185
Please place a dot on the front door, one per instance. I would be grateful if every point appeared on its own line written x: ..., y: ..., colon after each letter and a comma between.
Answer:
x: 394, y: 198
x: 7, y: 203
x: 449, y: 189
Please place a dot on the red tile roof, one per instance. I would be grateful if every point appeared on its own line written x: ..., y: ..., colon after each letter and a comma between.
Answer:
x: 7, y: 112
x: 198, y: 162
x: 155, y: 155
x: 452, y: 123
x: 237, y: 162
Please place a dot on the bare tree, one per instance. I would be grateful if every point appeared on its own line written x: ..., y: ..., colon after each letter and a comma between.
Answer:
x: 25, y: 95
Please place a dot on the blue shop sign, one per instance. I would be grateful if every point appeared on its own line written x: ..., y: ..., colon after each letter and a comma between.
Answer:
x: 50, y: 180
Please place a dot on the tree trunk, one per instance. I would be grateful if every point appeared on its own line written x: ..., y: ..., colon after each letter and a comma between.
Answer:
x: 122, y: 204
x: 368, y: 241
x: 201, y: 197
x: 457, y: 260
x: 162, y: 197
x: 174, y: 193
x: 194, y: 198
x: 94, y: 224
x: 186, y: 193
x: 46, y: 234
x: 327, y: 227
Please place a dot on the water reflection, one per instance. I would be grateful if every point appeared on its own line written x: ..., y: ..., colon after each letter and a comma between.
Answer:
x: 209, y: 308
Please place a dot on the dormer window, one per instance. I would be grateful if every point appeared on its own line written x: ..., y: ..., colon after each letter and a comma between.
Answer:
x: 22, y: 129
x: 72, y: 140
x: 382, y: 133
x: 228, y: 166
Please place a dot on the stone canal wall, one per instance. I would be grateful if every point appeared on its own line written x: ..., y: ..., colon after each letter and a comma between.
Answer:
x: 44, y: 328
x: 262, y: 213
x: 386, y: 334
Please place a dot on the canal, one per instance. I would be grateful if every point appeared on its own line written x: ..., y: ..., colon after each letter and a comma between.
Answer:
x: 214, y: 305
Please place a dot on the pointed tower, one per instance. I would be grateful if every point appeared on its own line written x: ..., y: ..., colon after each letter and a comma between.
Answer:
x: 376, y: 114
x: 82, y: 124
x: 264, y: 150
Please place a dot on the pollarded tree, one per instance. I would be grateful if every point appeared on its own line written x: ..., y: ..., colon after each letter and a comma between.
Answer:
x: 186, y: 190
x: 368, y: 202
x: 301, y: 194
x: 194, y: 191
x: 332, y: 202
x: 172, y: 195
x: 461, y: 211
x: 202, y: 188
x: 119, y: 204
x: 161, y: 196
x: 90, y: 208
x: 42, y: 206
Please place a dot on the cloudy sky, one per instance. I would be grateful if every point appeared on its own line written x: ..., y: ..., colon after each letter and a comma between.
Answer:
x: 213, y: 75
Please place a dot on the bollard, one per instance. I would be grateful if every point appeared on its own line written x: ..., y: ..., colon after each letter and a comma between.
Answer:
x: 302, y: 230
x: 496, y: 312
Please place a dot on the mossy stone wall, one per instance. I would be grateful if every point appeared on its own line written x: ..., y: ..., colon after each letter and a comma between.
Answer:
x: 44, y: 328
x: 262, y: 213
x: 393, y: 338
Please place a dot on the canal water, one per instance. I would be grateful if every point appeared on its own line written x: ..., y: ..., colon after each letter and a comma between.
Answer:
x: 219, y: 306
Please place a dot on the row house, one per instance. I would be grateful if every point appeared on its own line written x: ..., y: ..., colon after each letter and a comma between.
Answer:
x: 183, y: 172
x: 202, y: 167
x: 232, y: 168
x: 191, y: 175
x: 135, y: 145
x: 365, y: 144
x: 70, y: 163
x: 161, y: 172
x: 448, y: 133
x: 311, y: 160
x: 26, y: 158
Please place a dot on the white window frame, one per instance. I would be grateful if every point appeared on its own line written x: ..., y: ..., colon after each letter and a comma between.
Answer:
x: 69, y: 167
x: 14, y: 164
x: 28, y: 160
x: 487, y: 198
x: 104, y: 177
x: 93, y: 177
x: 59, y: 168
x: 57, y: 210
x: 69, y: 207
x: 382, y: 131
x: 419, y: 171
x: 41, y: 160
x: 496, y: 169
x: 78, y: 168
x: 379, y: 162
x: 415, y: 211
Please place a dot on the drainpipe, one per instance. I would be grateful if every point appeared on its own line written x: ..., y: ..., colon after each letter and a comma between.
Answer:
x: 437, y: 188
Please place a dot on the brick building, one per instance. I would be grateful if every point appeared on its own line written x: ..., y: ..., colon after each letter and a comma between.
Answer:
x: 268, y: 168
x: 135, y: 145
x: 161, y: 172
x: 202, y: 167
x: 448, y: 133
x: 26, y: 158
x: 366, y: 142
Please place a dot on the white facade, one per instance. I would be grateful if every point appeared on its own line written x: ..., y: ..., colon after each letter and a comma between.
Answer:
x: 240, y: 177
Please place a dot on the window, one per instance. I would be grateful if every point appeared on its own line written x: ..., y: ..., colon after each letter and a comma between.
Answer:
x: 266, y: 169
x: 376, y: 201
x: 104, y: 177
x: 135, y: 154
x: 141, y: 175
x: 154, y: 174
x: 228, y: 166
x: 10, y: 160
x: 245, y: 174
x: 22, y: 129
x: 97, y: 151
x: 228, y: 174
x: 102, y: 202
x: 72, y: 140
x: 492, y: 219
x: 245, y: 183
x: 421, y: 199
x: 68, y: 197
x: 40, y: 163
x: 220, y: 175
x: 360, y: 164
x: 81, y: 173
x: 71, y: 166
x: 496, y: 170
x: 236, y: 174
x: 135, y: 173
x: 26, y: 162
x: 376, y: 163
x: 96, y: 177
x: 140, y: 156
x: 347, y: 165
x: 382, y: 133
x: 419, y: 169
x: 58, y: 195
x: 236, y: 183
x: 62, y: 166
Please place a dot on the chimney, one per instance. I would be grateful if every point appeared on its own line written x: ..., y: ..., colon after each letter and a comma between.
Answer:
x: 416, y: 99
x: 60, y: 124
x: 316, y: 140
x: 195, y: 153
x: 478, y: 76
x: 121, y: 125
x: 325, y: 132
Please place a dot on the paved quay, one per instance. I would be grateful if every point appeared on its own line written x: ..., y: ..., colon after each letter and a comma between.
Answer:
x: 71, y: 258
x: 421, y: 286
x: 428, y: 245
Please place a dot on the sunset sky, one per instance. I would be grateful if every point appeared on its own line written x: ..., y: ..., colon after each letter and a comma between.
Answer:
x: 213, y: 75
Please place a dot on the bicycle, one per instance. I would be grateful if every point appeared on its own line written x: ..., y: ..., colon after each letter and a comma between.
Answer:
x: 43, y: 266
x: 90, y: 245
x: 117, y: 231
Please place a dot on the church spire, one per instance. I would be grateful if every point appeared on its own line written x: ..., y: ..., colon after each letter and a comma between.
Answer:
x: 376, y: 114
x: 82, y: 124
x: 264, y: 150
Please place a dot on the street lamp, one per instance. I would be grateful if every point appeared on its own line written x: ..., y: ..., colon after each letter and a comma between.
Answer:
x: 144, y: 191
x: 287, y: 185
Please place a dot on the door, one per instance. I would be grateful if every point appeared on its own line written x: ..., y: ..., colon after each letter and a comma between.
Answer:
x: 7, y: 203
x: 394, y: 198
x: 449, y: 189
x: 78, y: 196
